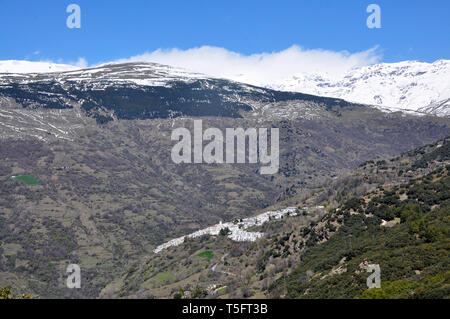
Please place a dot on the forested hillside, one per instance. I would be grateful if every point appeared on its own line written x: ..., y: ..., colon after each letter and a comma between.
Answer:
x: 391, y: 212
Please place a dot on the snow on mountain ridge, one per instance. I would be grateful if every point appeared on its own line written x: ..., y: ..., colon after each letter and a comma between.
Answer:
x: 409, y: 85
x: 21, y: 67
x: 145, y: 74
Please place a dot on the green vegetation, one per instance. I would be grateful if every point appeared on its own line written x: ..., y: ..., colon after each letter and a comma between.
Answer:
x: 432, y: 287
x: 107, y: 199
x: 27, y: 179
x: 163, y: 276
x: 5, y: 293
x: 206, y: 254
x: 441, y: 153
x: 224, y: 231
x: 199, y: 292
x: 398, y: 222
x: 413, y: 255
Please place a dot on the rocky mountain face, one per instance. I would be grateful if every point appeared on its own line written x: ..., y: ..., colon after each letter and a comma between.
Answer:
x: 86, y: 174
x: 410, y: 86
x: 141, y: 91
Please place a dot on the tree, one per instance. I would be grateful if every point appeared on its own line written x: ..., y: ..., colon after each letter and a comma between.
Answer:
x: 199, y: 292
x: 5, y: 293
x: 224, y: 231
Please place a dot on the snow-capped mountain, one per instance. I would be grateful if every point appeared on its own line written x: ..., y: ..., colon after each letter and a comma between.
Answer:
x: 20, y: 67
x: 146, y: 74
x: 410, y: 86
x: 148, y: 90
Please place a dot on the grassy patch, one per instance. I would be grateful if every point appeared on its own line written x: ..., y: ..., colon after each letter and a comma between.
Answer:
x: 221, y: 291
x: 206, y: 254
x: 163, y: 276
x: 27, y: 179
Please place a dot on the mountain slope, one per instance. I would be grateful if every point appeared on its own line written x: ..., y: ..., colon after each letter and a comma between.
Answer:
x: 411, y: 245
x: 393, y: 212
x: 410, y: 85
x: 86, y: 174
x: 144, y: 91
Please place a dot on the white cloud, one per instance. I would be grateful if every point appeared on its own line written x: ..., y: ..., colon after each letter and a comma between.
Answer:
x: 260, y: 68
x: 81, y: 63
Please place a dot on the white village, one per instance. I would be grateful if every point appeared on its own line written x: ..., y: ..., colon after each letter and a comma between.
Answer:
x: 236, y: 229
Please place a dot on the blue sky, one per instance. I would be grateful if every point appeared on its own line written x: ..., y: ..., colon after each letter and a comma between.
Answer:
x: 36, y: 30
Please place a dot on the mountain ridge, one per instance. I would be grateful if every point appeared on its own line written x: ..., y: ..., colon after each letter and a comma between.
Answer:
x: 146, y: 90
x: 408, y: 86
x: 86, y: 174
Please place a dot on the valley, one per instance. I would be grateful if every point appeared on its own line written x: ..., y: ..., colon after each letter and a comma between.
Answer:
x: 323, y: 251
x: 98, y: 141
